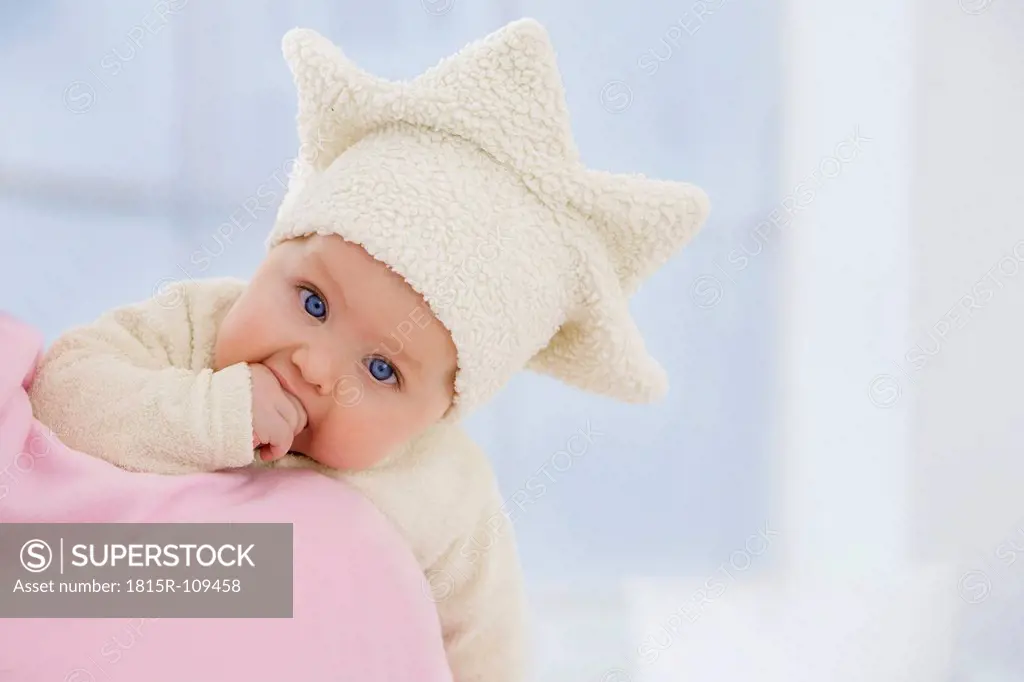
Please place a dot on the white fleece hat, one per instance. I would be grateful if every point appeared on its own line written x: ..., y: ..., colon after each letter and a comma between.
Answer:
x: 466, y: 181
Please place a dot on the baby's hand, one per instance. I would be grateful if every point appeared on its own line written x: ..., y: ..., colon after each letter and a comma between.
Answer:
x: 277, y: 415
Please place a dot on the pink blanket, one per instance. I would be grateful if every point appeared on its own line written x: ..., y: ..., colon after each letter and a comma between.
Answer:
x: 361, y: 610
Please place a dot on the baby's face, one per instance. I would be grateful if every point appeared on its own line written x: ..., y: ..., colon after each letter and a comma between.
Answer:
x: 357, y: 346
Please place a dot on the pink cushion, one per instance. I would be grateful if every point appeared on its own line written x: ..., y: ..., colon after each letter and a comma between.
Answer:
x: 361, y: 610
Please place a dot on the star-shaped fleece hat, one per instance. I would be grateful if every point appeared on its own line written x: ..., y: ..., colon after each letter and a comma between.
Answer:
x: 466, y: 181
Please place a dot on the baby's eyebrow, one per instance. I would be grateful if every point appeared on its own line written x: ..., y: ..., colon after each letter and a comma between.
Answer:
x: 319, y: 264
x: 405, y: 356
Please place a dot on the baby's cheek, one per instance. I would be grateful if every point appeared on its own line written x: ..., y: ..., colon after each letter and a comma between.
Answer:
x: 334, y: 440
x: 354, y: 446
x: 235, y: 342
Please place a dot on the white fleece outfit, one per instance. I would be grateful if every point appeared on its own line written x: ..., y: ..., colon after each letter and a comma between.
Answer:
x: 466, y: 182
x: 135, y: 388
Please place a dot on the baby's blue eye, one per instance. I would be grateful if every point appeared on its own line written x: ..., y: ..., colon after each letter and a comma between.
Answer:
x: 313, y: 304
x: 381, y: 370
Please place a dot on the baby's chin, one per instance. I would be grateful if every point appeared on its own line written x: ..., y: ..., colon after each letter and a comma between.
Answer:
x: 296, y: 460
x: 310, y: 459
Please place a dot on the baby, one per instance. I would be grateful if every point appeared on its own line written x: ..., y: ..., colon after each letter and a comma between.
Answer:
x: 445, y: 237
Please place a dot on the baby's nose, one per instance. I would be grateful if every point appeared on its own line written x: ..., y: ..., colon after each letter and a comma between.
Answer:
x: 319, y: 370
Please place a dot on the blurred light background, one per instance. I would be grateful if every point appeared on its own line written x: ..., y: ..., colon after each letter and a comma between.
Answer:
x: 833, y: 488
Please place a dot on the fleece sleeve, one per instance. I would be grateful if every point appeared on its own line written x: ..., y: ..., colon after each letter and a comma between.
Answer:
x: 131, y: 388
x: 478, y: 588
